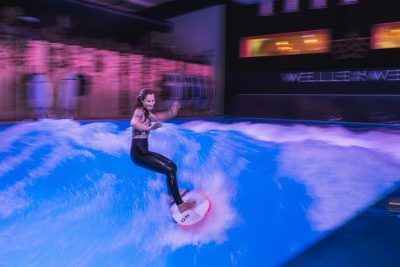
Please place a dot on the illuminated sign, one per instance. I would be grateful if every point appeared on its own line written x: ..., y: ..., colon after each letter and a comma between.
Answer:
x: 388, y: 75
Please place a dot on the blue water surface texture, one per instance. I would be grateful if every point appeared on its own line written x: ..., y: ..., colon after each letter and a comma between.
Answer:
x: 71, y: 196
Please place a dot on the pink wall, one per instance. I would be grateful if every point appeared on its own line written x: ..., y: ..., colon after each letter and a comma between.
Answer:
x: 114, y: 78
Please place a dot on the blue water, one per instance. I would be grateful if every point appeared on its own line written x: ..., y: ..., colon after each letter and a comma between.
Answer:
x: 70, y: 195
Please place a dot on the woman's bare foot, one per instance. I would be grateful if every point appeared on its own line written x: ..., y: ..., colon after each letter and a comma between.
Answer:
x: 186, y: 206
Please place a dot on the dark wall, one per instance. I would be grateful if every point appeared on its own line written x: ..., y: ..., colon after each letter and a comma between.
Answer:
x: 343, y: 20
x: 85, y: 20
x: 264, y: 75
x: 196, y: 33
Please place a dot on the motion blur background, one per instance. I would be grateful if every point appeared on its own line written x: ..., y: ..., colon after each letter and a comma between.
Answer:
x: 289, y: 123
x: 313, y: 59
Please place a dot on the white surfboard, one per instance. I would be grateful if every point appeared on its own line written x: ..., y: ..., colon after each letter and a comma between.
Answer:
x: 195, y: 214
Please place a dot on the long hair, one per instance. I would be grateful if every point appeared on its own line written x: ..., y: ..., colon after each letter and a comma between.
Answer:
x: 140, y: 98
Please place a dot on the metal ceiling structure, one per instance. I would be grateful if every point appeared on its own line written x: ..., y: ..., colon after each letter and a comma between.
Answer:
x: 156, y: 9
x: 130, y: 6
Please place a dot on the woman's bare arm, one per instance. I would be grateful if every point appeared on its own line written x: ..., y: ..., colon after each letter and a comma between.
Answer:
x: 136, y: 121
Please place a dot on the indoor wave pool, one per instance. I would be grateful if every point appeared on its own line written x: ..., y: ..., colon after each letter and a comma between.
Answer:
x: 71, y: 196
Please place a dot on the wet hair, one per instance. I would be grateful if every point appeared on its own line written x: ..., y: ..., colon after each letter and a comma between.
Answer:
x: 141, y: 97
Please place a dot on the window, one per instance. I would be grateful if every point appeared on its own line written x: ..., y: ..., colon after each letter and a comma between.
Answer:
x: 307, y: 42
x: 266, y: 7
x: 348, y: 2
x: 386, y: 35
x: 318, y: 4
x: 291, y: 6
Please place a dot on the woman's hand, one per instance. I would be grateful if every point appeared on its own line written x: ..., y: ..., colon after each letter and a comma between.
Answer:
x: 155, y: 125
x: 175, y: 108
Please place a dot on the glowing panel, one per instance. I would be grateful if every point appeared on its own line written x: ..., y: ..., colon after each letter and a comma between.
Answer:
x: 291, y: 6
x: 318, y: 3
x: 308, y: 42
x: 386, y: 35
x: 348, y: 2
x: 266, y: 7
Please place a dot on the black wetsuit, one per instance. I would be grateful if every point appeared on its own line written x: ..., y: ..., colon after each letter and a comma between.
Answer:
x: 141, y: 155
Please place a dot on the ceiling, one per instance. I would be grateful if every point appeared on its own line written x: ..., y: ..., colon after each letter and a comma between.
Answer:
x: 155, y: 9
x: 130, y: 6
x: 139, y: 15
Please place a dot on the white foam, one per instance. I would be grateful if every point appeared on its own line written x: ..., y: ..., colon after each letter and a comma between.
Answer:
x: 67, y: 139
x: 207, y: 175
x: 47, y: 225
x: 13, y: 199
x: 222, y: 217
x: 318, y: 157
x: 309, y: 155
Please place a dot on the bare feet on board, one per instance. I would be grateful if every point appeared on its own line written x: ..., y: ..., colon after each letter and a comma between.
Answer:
x: 186, y: 206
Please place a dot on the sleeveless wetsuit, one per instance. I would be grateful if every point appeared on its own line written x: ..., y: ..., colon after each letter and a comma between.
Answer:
x: 141, y: 155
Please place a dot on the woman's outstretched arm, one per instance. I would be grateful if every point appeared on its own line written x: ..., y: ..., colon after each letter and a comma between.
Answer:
x: 166, y: 115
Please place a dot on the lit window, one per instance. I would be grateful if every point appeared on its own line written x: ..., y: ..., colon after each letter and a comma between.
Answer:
x: 291, y: 6
x: 266, y: 7
x: 348, y: 2
x: 386, y: 35
x: 308, y: 42
x: 319, y: 4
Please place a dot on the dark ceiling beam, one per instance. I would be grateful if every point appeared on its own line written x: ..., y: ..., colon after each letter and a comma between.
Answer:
x: 142, y: 3
x: 178, y: 7
x: 154, y: 24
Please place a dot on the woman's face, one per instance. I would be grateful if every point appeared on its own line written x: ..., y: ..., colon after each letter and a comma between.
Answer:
x: 149, y: 101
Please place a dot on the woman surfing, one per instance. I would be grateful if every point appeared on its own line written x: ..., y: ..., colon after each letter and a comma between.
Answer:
x: 141, y: 123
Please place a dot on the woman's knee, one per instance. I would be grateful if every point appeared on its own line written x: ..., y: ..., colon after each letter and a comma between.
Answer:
x: 171, y: 167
